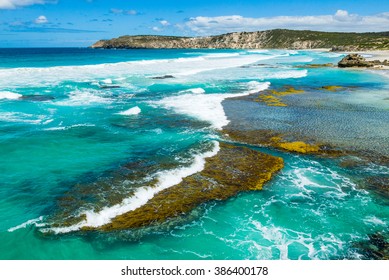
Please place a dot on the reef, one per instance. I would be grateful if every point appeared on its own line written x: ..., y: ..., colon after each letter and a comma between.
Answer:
x: 378, y: 185
x: 310, y: 66
x: 332, y: 88
x: 298, y: 147
x: 274, y: 97
x: 234, y: 169
x: 375, y: 248
x: 289, y: 143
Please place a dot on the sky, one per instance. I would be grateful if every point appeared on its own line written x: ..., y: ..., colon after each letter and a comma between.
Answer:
x: 79, y: 23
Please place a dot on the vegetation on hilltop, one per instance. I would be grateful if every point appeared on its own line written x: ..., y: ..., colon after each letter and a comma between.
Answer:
x: 276, y: 39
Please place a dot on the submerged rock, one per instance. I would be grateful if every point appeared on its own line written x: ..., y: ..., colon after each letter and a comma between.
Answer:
x: 234, y: 169
x: 378, y: 185
x: 375, y: 248
x: 163, y: 77
x: 37, y: 97
x: 332, y: 88
x: 109, y: 86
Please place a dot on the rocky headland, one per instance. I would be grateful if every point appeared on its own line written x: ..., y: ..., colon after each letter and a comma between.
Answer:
x: 272, y: 39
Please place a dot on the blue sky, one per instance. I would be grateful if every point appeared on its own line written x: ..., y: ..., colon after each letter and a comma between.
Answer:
x: 35, y: 23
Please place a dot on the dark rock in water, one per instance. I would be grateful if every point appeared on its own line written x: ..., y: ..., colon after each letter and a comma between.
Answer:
x: 378, y: 185
x: 354, y: 60
x: 37, y: 97
x: 375, y: 248
x: 163, y: 77
x: 108, y: 87
x: 315, y: 65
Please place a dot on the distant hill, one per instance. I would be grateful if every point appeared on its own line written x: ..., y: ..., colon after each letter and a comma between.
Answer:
x: 275, y: 39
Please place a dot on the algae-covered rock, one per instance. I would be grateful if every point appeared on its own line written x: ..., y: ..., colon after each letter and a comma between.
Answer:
x: 276, y: 140
x: 273, y: 97
x: 234, y: 169
x: 309, y: 66
x: 299, y: 147
x: 332, y: 88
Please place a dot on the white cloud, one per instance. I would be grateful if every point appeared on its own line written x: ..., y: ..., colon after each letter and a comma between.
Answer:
x: 116, y: 11
x: 341, y: 21
x: 156, y: 28
x: 164, y: 22
x: 131, y: 12
x: 41, y: 20
x: 124, y: 12
x: 12, y: 4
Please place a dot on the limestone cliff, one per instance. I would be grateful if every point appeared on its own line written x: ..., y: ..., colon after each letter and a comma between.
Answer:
x: 278, y: 38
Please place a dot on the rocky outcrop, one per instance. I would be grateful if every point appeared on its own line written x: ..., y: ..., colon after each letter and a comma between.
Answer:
x: 278, y: 39
x: 354, y: 60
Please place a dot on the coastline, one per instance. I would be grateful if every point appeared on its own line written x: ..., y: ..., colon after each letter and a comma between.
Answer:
x: 373, y: 55
x: 369, y: 55
x: 312, y: 172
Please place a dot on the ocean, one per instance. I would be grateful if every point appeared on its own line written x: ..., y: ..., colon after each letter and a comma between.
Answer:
x: 87, y: 135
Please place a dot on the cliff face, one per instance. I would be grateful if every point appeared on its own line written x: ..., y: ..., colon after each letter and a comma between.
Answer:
x: 279, y: 38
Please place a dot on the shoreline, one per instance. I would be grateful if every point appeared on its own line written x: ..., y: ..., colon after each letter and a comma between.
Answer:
x: 374, y: 55
x: 369, y: 55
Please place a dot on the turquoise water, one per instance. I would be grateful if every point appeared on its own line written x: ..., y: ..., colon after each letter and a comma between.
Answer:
x: 99, y: 125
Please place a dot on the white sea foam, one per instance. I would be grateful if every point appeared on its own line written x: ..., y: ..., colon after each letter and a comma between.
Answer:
x: 18, y: 117
x: 69, y: 127
x: 133, y: 111
x: 179, y: 67
x: 194, y: 90
x: 317, y: 247
x: 206, y: 107
x: 166, y: 179
x: 374, y: 220
x: 384, y: 73
x: 258, y: 51
x: 213, y: 63
x: 259, y: 73
x: 36, y: 222
x: 107, y: 81
x: 254, y: 87
x: 294, y: 74
x: 331, y: 54
x: 84, y: 97
x: 9, y: 95
x: 219, y: 55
